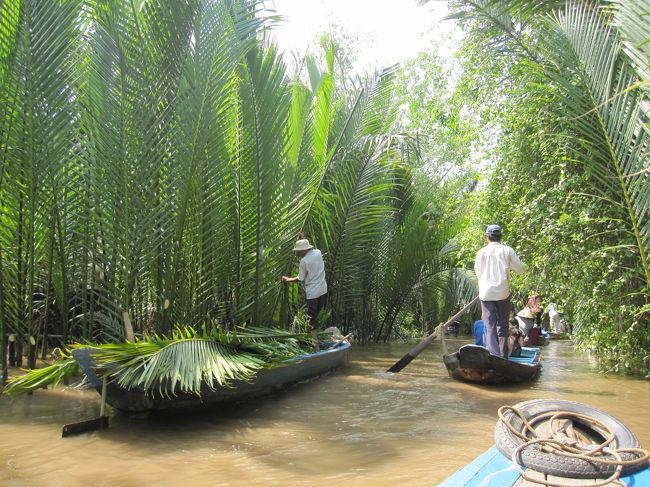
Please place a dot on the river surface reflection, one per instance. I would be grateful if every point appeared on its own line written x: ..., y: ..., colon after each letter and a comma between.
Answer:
x: 357, y: 426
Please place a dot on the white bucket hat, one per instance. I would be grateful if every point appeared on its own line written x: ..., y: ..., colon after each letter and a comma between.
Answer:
x: 302, y: 244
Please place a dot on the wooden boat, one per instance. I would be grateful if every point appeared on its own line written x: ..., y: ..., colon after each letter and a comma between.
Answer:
x: 542, y: 466
x: 266, y: 381
x: 494, y: 468
x: 559, y: 336
x: 474, y: 363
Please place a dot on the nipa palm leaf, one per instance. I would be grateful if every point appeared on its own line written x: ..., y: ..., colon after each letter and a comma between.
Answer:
x: 187, y: 362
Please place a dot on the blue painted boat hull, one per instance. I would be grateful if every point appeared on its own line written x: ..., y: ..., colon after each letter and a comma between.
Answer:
x: 492, y: 469
x: 266, y: 381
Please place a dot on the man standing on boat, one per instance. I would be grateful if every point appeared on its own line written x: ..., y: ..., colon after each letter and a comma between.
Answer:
x: 493, y: 265
x: 312, y: 273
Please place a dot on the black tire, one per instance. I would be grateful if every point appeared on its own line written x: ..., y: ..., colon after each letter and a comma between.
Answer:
x: 561, y: 466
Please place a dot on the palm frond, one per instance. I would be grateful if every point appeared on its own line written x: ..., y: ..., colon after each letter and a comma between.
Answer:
x: 273, y: 344
x: 507, y: 23
x: 170, y: 366
x: 633, y: 22
x: 608, y: 120
x: 261, y: 179
x: 38, y: 55
x: 39, y: 378
x: 192, y: 360
x: 188, y: 361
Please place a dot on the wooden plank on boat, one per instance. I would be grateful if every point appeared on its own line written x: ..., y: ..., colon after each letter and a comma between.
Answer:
x: 567, y: 481
x: 465, y: 474
x: 533, y: 475
x: 539, y: 478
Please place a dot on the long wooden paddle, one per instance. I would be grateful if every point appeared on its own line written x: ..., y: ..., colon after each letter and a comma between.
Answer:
x: 100, y: 423
x: 406, y: 359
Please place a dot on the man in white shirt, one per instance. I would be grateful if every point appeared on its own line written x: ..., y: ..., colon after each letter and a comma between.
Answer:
x: 312, y: 273
x: 493, y: 265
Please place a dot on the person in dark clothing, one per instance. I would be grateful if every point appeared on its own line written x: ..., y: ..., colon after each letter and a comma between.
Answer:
x: 515, y: 340
x: 532, y: 339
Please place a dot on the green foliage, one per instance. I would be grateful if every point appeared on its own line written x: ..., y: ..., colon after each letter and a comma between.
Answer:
x: 46, y: 376
x: 570, y: 181
x: 422, y: 283
x: 187, y: 361
x: 158, y: 161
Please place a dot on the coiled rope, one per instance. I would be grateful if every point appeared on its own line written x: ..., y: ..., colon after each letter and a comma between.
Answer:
x: 559, y: 443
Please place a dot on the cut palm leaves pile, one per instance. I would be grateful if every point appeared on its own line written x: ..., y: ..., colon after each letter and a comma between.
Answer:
x: 187, y: 362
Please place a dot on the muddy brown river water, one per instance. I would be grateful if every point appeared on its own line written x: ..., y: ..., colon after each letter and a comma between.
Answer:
x: 357, y: 426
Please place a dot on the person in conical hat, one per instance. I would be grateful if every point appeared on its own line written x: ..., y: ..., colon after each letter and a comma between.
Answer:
x: 530, y: 315
x: 312, y: 273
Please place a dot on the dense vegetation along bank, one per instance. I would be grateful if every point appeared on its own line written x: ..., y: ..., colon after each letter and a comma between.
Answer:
x: 159, y: 159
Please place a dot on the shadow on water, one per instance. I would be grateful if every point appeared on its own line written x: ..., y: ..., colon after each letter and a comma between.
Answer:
x: 69, y: 403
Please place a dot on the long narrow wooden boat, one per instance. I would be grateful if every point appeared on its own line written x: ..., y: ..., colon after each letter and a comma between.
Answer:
x: 266, y: 381
x: 474, y: 363
x: 545, y: 466
x: 492, y: 468
x: 559, y: 336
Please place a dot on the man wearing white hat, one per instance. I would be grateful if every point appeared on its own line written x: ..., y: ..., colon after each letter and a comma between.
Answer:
x: 493, y: 265
x: 312, y: 273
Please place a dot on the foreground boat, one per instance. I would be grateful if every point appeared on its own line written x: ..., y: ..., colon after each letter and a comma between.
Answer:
x: 622, y: 460
x: 266, y: 381
x: 474, y: 363
x: 492, y: 468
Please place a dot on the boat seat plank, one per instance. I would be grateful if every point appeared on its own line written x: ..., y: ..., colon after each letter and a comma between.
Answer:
x: 629, y: 481
x: 567, y: 481
x: 528, y: 356
x: 521, y: 360
x: 491, y: 468
x: 535, y: 476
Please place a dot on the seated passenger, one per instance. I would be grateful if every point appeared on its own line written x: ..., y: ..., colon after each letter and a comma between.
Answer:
x: 515, y: 341
x: 532, y: 339
x: 529, y: 316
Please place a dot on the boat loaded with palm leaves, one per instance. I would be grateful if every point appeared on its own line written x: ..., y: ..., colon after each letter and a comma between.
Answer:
x: 192, y: 368
x: 474, y: 363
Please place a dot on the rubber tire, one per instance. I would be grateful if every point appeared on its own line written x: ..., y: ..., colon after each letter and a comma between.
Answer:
x: 560, y: 466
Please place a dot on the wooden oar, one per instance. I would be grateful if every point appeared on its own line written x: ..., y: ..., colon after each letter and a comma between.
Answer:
x: 100, y: 423
x: 406, y: 359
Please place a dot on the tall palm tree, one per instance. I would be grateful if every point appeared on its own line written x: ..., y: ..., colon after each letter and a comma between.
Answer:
x: 39, y: 117
x: 609, y: 117
x: 156, y: 164
x: 587, y: 64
